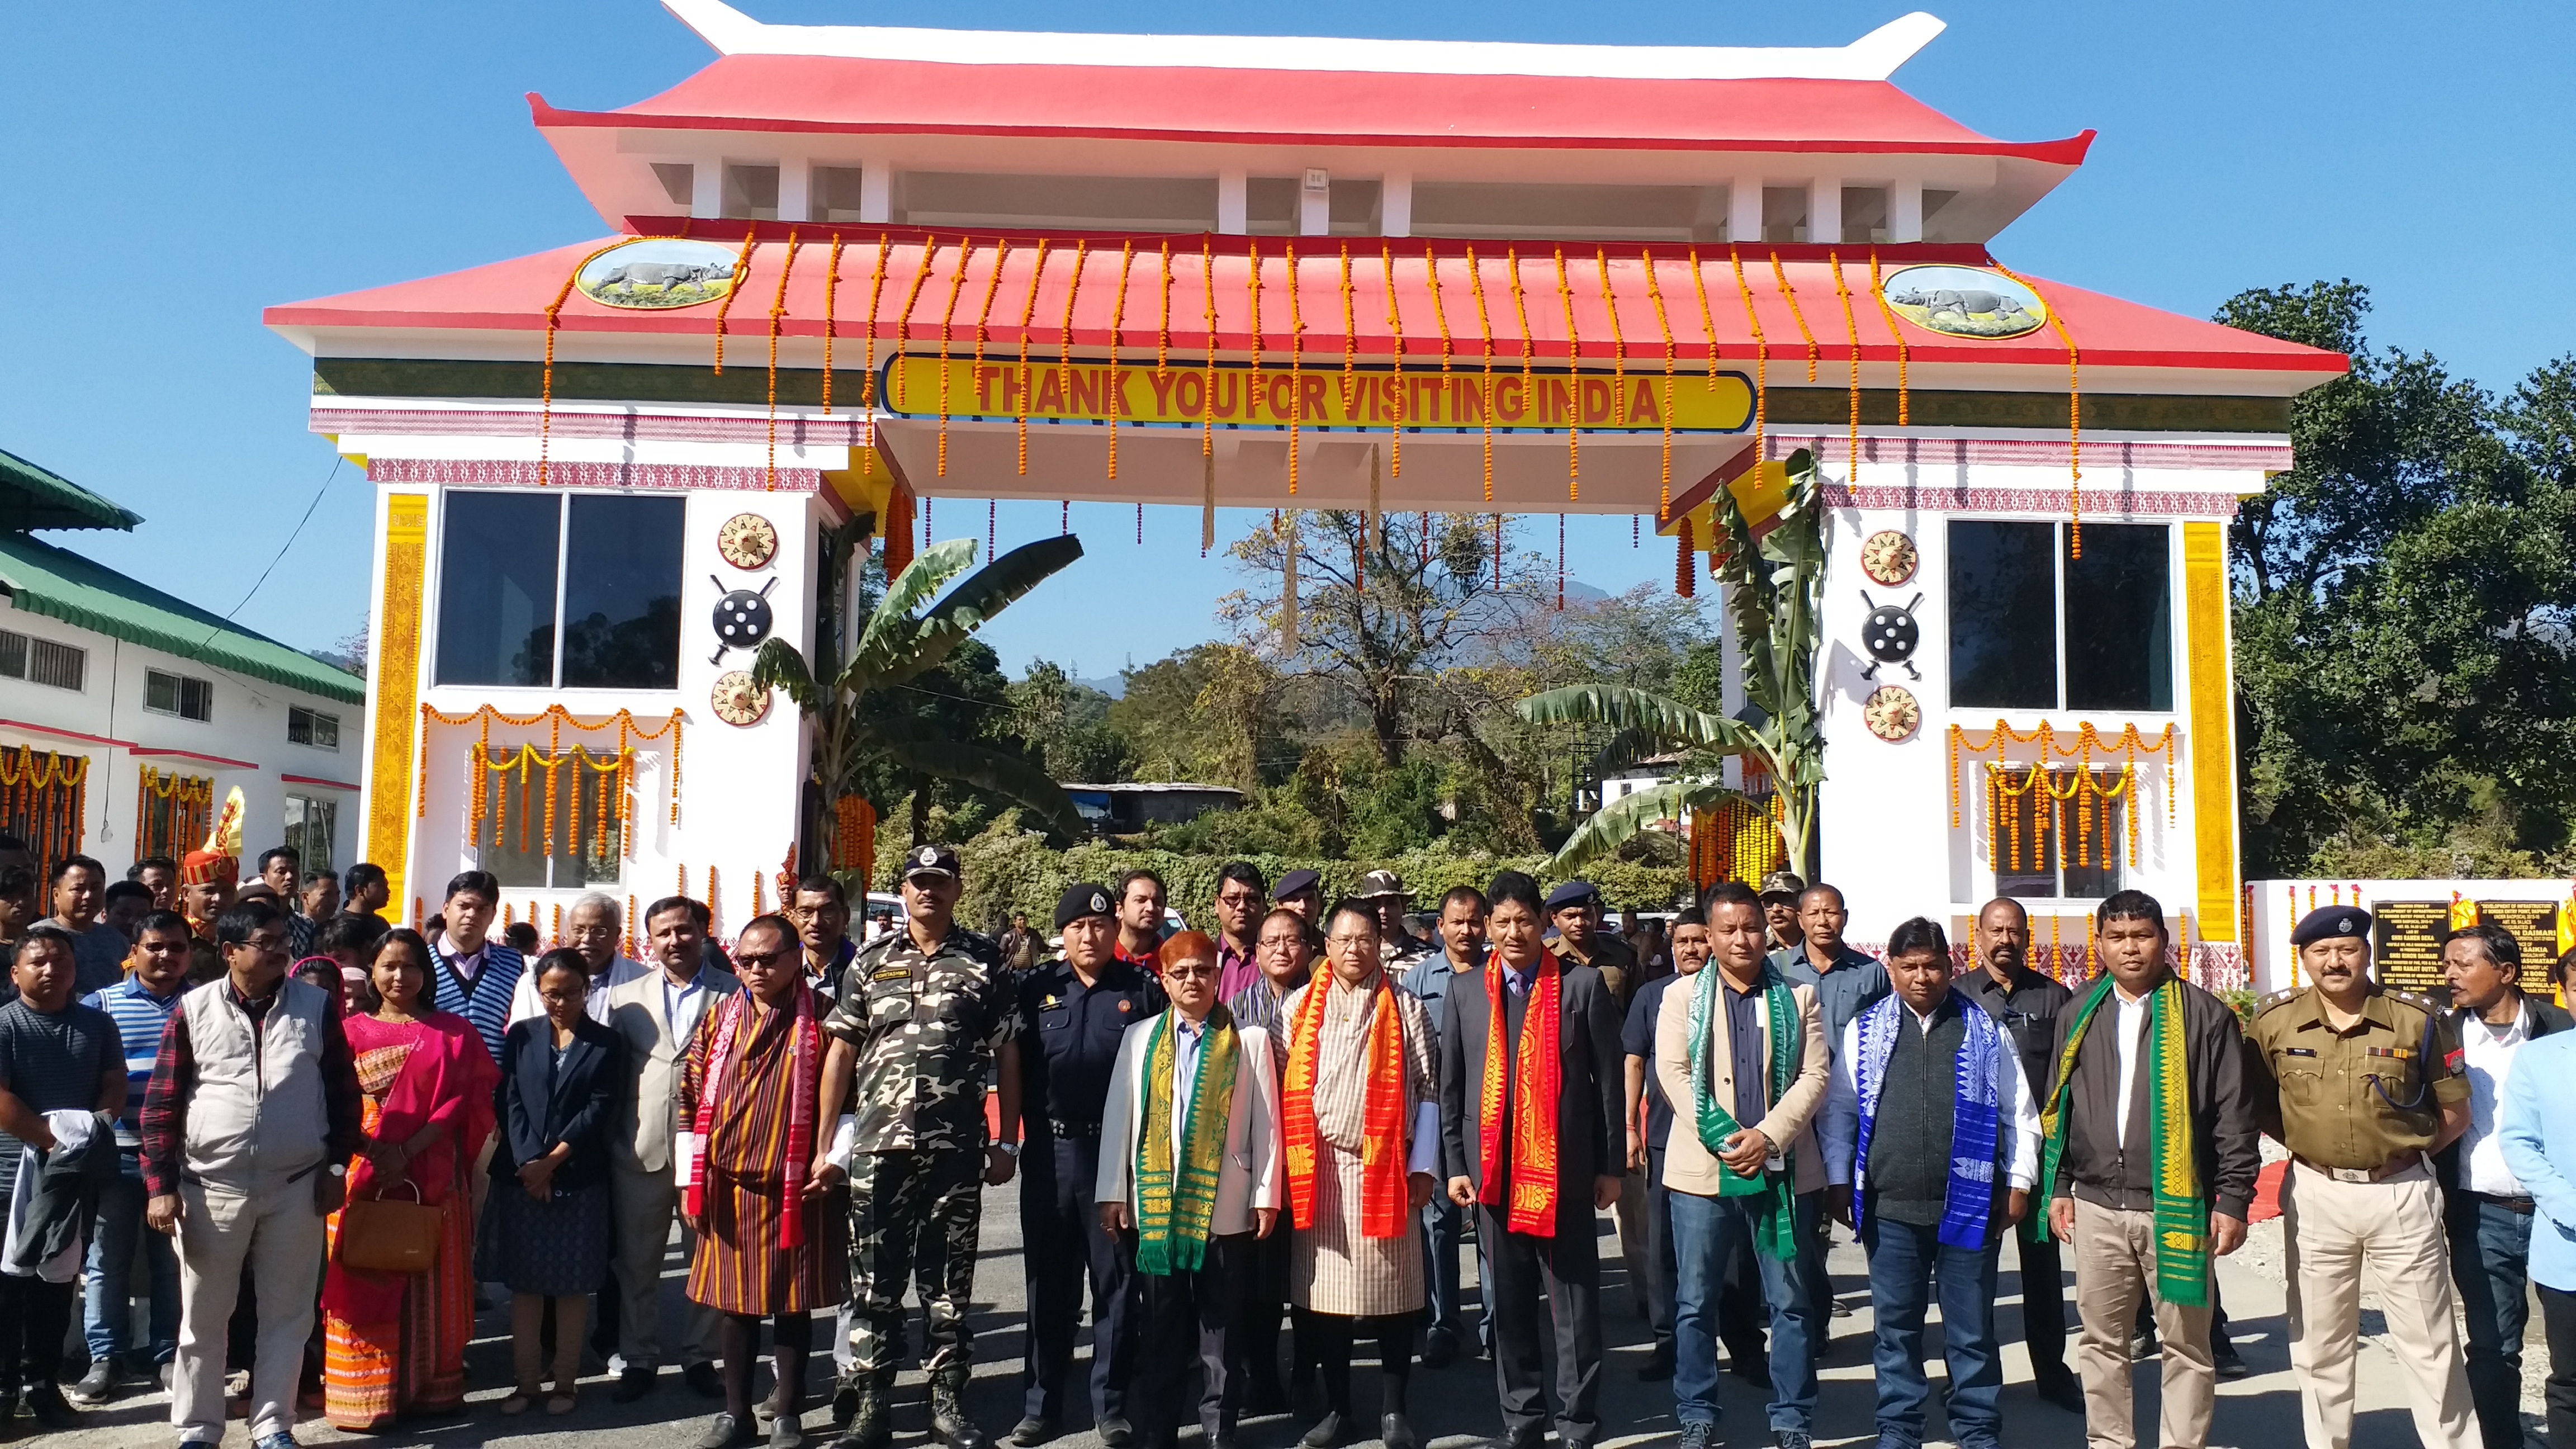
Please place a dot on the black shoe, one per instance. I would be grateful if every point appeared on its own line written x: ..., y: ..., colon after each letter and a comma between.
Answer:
x: 949, y: 1423
x: 845, y: 1407
x: 726, y: 1432
x: 1839, y: 1308
x: 1035, y: 1429
x: 1657, y: 1368
x: 1397, y: 1432
x: 1791, y: 1439
x: 1439, y: 1348
x: 2223, y: 1354
x: 702, y: 1377
x: 1222, y: 1441
x: 869, y: 1425
x: 98, y: 1385
x: 2142, y: 1345
x: 633, y: 1384
x: 1115, y: 1432
x: 2062, y: 1390
x: 45, y: 1402
x: 1329, y: 1432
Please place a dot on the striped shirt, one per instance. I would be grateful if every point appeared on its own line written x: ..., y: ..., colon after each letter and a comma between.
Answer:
x: 483, y: 997
x: 139, y: 1016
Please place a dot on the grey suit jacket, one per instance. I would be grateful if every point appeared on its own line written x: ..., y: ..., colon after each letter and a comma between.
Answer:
x: 1591, y: 1102
x: 649, y: 1116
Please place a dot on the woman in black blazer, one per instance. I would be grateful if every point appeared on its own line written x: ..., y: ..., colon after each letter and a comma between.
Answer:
x: 546, y: 1226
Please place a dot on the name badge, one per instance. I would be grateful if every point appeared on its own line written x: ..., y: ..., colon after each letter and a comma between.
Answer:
x: 893, y: 973
x: 2298, y: 1051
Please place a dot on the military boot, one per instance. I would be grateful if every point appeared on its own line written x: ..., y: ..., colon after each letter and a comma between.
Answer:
x: 949, y: 1423
x: 871, y: 1424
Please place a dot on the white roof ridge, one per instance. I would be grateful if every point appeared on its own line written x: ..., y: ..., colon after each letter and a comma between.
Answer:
x: 1873, y: 57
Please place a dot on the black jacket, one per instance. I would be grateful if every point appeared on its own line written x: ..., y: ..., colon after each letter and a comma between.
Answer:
x: 1591, y: 1102
x: 2546, y: 1019
x: 540, y: 1106
x: 2098, y: 1169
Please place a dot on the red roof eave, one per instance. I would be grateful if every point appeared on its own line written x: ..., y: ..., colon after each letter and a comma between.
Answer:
x: 2070, y: 151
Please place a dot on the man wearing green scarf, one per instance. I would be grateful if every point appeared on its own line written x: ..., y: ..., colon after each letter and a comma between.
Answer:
x: 1190, y: 1174
x: 1740, y: 1053
x: 2149, y: 1158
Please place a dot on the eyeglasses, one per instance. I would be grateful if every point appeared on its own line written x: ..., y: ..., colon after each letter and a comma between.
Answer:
x: 1190, y: 968
x: 754, y: 958
x: 1369, y: 939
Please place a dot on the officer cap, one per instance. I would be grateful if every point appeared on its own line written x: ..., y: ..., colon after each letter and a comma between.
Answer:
x: 1572, y: 893
x: 1783, y: 884
x: 2327, y: 922
x: 1380, y: 885
x: 1081, y: 899
x: 1297, y: 882
x: 939, y: 860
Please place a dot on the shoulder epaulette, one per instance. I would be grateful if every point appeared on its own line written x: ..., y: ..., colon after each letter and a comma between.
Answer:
x: 2420, y: 1003
x: 2287, y: 993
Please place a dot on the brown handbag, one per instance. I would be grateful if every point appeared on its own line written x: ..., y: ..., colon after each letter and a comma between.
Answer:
x: 387, y: 1235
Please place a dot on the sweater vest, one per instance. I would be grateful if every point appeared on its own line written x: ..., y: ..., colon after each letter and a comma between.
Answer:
x: 1909, y: 1144
x: 256, y: 1115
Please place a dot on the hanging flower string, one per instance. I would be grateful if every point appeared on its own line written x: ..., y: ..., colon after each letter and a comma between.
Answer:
x: 1114, y: 392
x: 1761, y: 357
x: 1395, y: 330
x: 1296, y: 378
x: 2074, y: 416
x: 1663, y: 323
x: 1878, y: 292
x: 947, y: 330
x: 1028, y: 316
x: 902, y: 338
x: 831, y: 324
x: 1440, y: 314
x: 1708, y: 324
x: 1780, y: 275
x: 1350, y: 341
x: 1485, y: 378
x: 876, y: 294
x: 546, y: 384
x: 741, y: 274
x: 1851, y: 329
x: 1573, y: 391
x: 777, y: 314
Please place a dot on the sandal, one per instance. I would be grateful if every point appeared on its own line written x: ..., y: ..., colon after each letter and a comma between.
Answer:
x: 521, y: 1401
x: 562, y: 1403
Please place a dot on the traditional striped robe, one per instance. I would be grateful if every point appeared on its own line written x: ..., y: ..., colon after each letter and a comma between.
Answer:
x: 739, y: 1267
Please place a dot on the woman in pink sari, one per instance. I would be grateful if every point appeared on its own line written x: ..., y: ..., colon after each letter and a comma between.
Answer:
x: 394, y: 1343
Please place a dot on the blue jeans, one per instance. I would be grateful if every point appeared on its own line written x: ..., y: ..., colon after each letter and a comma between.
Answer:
x: 2490, y: 1249
x: 106, y: 1318
x: 1905, y: 1263
x: 1705, y: 1231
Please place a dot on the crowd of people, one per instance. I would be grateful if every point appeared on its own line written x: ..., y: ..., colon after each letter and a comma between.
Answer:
x: 307, y: 1141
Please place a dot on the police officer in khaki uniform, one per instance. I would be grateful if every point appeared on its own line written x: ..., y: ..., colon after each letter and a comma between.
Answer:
x: 2363, y: 1085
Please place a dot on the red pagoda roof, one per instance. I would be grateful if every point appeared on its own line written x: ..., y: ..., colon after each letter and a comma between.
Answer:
x: 1791, y: 290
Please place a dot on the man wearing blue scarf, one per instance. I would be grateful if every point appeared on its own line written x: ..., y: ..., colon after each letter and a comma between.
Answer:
x: 1931, y: 1146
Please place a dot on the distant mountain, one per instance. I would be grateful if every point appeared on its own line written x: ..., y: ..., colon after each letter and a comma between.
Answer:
x: 1115, y: 686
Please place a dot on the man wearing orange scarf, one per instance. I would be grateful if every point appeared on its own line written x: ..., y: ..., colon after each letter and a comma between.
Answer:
x: 1360, y: 1121
x: 1532, y: 1108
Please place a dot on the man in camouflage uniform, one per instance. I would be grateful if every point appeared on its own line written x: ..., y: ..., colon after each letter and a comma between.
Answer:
x: 923, y: 1015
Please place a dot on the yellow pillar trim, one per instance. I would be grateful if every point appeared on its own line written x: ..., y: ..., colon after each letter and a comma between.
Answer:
x: 2213, y: 713
x: 396, y: 696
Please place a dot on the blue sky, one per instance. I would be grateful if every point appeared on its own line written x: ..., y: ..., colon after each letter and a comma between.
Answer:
x: 176, y: 168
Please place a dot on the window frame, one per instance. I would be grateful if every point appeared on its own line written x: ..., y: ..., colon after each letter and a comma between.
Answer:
x: 563, y: 498
x: 312, y: 717
x: 2059, y: 644
x: 180, y: 683
x: 28, y: 648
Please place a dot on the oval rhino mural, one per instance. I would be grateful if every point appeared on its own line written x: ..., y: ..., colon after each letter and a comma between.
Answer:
x: 1965, y: 302
x: 658, y: 273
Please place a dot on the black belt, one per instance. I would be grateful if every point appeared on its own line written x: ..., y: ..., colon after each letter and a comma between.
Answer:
x: 1075, y: 1130
x: 2521, y: 1205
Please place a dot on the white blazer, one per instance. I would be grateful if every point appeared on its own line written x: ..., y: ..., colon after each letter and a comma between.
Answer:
x: 1250, y: 1175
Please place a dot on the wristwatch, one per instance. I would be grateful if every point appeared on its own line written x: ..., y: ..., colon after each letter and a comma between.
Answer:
x: 339, y: 1169
x: 1007, y: 1149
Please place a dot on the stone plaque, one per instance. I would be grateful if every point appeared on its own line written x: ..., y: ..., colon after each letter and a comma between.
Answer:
x: 2535, y: 925
x: 2409, y: 940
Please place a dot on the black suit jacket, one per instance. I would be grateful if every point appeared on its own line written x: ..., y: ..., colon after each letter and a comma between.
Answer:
x: 1591, y: 1104
x: 539, y: 1105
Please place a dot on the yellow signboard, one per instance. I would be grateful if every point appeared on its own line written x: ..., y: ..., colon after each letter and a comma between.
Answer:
x: 1091, y: 390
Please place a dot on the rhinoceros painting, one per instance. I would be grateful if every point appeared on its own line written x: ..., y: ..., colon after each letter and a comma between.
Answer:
x: 658, y: 273
x: 1965, y: 302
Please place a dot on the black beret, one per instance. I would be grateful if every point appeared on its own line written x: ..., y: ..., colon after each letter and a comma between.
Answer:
x: 1572, y: 893
x: 1296, y: 882
x: 1081, y: 899
x: 2327, y: 922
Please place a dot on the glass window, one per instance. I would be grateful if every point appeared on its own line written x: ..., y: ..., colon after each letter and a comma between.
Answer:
x: 42, y: 661
x: 622, y: 593
x: 576, y: 801
x: 2119, y: 619
x: 496, y: 588
x: 2003, y: 608
x: 178, y: 694
x: 2061, y: 837
x: 310, y: 825
x: 318, y: 728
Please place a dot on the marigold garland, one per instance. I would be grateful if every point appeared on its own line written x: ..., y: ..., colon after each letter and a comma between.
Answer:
x: 777, y: 313
x: 1904, y: 383
x: 831, y: 323
x: 1708, y: 323
x: 1396, y: 409
x: 1207, y: 403
x: 1296, y: 380
x: 1163, y: 326
x: 1664, y: 322
x: 191, y: 805
x: 1072, y: 291
x: 876, y: 294
x: 1574, y: 394
x: 1761, y: 357
x: 1028, y: 316
x: 56, y: 827
x: 1685, y: 577
x: 902, y: 338
x: 1116, y: 397
x: 1780, y: 275
x: 1852, y: 329
x: 2074, y: 416
x: 741, y: 274
x: 546, y: 385
x: 1485, y: 378
x: 1440, y: 314
x: 947, y: 329
x: 1350, y: 340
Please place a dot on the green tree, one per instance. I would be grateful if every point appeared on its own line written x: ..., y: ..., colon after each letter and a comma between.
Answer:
x: 871, y: 723
x: 1066, y: 721
x: 2406, y: 692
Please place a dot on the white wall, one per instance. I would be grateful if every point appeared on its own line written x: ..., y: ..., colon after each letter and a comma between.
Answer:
x: 243, y: 743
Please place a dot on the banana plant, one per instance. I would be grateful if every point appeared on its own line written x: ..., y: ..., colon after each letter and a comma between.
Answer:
x: 899, y: 643
x: 1775, y: 594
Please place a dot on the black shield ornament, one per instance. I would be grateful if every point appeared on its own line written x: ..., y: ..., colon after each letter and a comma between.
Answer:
x: 1890, y: 635
x: 742, y: 618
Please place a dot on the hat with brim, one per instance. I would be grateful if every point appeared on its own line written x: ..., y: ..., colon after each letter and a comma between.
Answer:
x: 931, y: 860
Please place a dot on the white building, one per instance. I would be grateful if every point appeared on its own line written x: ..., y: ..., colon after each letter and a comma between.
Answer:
x: 127, y: 715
